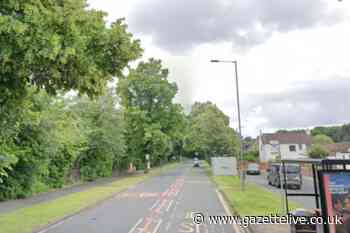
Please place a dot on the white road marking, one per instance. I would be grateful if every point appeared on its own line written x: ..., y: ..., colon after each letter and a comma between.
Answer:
x: 155, y: 204
x: 227, y: 210
x: 158, y: 225
x: 165, y: 193
x: 52, y: 226
x: 169, y: 206
x: 136, y: 225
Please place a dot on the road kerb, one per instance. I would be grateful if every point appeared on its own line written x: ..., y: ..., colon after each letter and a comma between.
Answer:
x: 236, y: 228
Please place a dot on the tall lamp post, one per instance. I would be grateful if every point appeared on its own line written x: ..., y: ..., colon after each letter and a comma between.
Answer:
x: 242, y: 175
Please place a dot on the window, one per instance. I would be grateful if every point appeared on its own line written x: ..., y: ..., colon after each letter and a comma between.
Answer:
x: 292, y: 148
x: 300, y: 146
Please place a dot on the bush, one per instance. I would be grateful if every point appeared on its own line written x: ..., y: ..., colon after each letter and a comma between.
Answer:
x: 251, y: 156
x: 318, y: 152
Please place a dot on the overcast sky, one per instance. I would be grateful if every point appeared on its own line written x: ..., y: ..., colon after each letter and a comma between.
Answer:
x: 293, y: 56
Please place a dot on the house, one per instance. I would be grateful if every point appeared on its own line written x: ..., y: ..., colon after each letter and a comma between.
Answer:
x: 339, y: 150
x: 285, y: 145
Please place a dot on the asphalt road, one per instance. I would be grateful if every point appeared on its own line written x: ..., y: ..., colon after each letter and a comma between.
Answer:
x: 307, y: 187
x: 161, y: 204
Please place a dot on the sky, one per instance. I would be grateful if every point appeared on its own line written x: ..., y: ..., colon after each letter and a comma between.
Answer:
x: 293, y: 56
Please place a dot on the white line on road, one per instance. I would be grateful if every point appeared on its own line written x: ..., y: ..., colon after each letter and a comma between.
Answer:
x: 157, y: 227
x: 227, y: 210
x: 169, y: 206
x: 52, y: 226
x: 155, y: 204
x: 136, y: 225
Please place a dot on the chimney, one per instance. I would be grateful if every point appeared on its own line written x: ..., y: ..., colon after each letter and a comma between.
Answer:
x: 308, y: 132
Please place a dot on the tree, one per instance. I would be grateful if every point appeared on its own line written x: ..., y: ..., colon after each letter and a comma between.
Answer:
x: 154, y: 123
x: 252, y: 156
x: 209, y: 133
x: 56, y: 46
x: 318, y: 152
x: 103, y: 126
x: 32, y: 144
x: 322, y: 139
x: 337, y: 133
x: 60, y: 45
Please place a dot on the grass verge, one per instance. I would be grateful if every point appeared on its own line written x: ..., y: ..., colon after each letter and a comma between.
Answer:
x: 28, y: 219
x: 254, y: 201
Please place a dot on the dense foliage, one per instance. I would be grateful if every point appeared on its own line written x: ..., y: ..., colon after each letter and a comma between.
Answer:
x: 154, y: 123
x: 318, y: 151
x: 60, y: 45
x: 56, y: 46
x: 103, y: 126
x: 251, y: 156
x: 337, y: 133
x: 321, y: 139
x: 51, y: 136
x: 209, y: 133
x: 57, y: 136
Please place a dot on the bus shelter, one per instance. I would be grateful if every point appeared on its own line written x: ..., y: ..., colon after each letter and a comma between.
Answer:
x: 331, y: 192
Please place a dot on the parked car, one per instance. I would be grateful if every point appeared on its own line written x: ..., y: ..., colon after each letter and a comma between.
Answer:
x: 253, y: 169
x: 195, y: 162
x: 293, y: 176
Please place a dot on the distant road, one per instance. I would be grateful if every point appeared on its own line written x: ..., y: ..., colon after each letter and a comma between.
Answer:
x: 161, y: 204
x: 307, y: 187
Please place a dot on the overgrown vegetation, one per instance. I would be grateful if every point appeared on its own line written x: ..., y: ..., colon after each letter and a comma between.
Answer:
x: 318, y: 149
x: 59, y: 120
x: 154, y: 124
x: 209, y: 133
x: 336, y: 133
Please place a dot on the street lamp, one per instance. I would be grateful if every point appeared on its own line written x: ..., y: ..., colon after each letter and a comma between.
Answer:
x: 239, y: 118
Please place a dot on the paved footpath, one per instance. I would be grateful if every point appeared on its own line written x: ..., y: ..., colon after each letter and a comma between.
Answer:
x: 165, y: 203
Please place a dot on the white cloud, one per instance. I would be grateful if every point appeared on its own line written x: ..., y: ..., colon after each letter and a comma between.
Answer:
x: 285, y: 62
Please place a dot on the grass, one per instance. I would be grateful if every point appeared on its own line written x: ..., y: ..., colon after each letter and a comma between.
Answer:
x: 34, y: 217
x: 254, y: 201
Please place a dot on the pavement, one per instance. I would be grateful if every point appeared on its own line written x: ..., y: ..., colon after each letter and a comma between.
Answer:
x: 12, y: 205
x: 165, y: 203
x: 307, y: 187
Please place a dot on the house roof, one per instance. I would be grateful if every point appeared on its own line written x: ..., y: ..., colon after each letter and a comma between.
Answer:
x: 343, y: 147
x: 288, y: 138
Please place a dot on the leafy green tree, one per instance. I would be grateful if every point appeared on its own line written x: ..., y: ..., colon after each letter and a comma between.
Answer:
x: 209, y: 133
x: 56, y: 46
x: 154, y: 123
x: 337, y: 133
x: 103, y: 125
x: 317, y: 152
x: 252, y: 156
x: 322, y: 139
x: 60, y: 45
x: 31, y: 146
x: 6, y: 162
x: 66, y: 142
